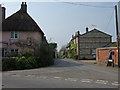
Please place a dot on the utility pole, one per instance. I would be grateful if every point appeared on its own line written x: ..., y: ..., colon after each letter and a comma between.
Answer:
x: 116, y: 16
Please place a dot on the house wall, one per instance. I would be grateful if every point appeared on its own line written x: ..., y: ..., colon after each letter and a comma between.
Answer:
x: 102, y: 54
x: 23, y: 35
x: 90, y: 41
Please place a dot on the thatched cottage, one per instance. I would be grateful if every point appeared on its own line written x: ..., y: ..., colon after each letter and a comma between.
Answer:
x: 19, y: 31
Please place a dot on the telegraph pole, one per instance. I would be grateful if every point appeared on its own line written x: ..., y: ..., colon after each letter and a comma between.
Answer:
x: 117, y: 33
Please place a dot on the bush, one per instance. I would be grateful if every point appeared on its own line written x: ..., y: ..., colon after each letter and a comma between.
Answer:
x: 45, y: 54
x: 13, y: 54
x: 32, y: 61
x: 26, y: 53
x: 19, y: 63
x: 8, y: 64
x: 43, y: 57
x: 26, y: 63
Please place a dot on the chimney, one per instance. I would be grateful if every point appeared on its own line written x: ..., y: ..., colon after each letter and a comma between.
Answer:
x: 72, y: 36
x: 3, y: 13
x: 86, y: 29
x: 78, y: 33
x: 24, y: 7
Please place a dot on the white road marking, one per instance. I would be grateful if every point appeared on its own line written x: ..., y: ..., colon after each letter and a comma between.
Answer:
x: 15, y: 75
x: 116, y: 84
x: 71, y: 79
x: 58, y: 77
x: 87, y: 80
x: 43, y: 77
x: 101, y: 82
x: 29, y: 75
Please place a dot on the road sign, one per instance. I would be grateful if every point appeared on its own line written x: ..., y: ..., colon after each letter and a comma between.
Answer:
x: 112, y: 53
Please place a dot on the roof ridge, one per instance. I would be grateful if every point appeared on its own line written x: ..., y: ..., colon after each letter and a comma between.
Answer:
x: 20, y: 21
x: 95, y: 30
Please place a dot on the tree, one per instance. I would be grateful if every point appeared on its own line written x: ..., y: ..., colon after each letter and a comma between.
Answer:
x: 62, y: 52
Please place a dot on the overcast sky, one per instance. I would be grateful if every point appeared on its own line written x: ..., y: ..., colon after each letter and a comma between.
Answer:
x: 59, y: 20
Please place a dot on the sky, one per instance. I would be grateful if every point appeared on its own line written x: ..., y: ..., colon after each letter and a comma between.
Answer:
x: 60, y: 20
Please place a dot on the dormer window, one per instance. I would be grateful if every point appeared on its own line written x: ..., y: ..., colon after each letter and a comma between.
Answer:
x: 14, y: 35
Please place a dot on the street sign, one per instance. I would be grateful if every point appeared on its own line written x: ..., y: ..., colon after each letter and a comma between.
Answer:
x: 112, y: 53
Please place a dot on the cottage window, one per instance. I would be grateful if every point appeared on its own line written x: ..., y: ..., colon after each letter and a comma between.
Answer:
x: 14, y: 51
x: 4, y: 43
x: 4, y: 52
x: 14, y: 35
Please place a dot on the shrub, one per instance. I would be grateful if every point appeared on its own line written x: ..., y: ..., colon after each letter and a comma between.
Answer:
x: 8, y: 64
x: 13, y: 54
x: 32, y: 62
x: 21, y: 62
x: 26, y: 53
x: 26, y: 63
x: 45, y: 54
x: 95, y: 62
x: 43, y: 57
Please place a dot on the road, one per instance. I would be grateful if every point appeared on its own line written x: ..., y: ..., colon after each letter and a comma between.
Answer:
x: 64, y: 74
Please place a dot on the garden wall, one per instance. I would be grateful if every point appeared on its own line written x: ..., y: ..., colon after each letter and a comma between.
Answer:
x: 102, y: 53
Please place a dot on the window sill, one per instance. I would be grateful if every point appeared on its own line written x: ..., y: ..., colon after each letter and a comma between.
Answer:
x: 13, y: 38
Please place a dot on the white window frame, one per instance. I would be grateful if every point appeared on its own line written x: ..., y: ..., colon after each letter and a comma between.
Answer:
x: 4, y: 52
x: 4, y: 43
x: 14, y: 35
x: 14, y: 50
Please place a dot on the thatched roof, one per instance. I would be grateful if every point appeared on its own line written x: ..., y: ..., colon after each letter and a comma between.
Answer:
x: 20, y: 21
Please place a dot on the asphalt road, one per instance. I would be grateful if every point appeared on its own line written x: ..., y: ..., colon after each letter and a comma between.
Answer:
x: 64, y: 74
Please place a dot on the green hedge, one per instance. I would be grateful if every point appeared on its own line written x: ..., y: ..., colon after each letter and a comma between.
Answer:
x: 43, y: 57
x: 8, y: 64
x: 13, y: 63
x: 19, y: 63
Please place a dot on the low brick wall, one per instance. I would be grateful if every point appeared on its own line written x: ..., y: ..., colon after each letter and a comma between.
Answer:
x: 102, y: 53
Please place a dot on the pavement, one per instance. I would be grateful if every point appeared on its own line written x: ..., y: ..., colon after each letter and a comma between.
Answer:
x: 64, y: 73
x: 94, y: 62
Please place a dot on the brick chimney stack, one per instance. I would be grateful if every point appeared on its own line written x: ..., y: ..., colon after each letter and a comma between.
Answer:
x: 78, y: 33
x: 72, y: 36
x: 3, y: 13
x: 24, y: 7
x: 86, y: 29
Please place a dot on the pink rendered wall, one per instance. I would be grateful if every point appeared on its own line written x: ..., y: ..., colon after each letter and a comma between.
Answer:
x: 37, y: 36
x: 22, y: 35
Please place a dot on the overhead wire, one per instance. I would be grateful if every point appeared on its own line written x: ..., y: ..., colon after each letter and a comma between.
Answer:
x: 110, y: 19
x: 112, y: 7
x: 88, y: 5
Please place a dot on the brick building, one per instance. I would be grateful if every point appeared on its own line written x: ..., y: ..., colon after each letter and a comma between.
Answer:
x: 88, y: 42
x: 102, y: 54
